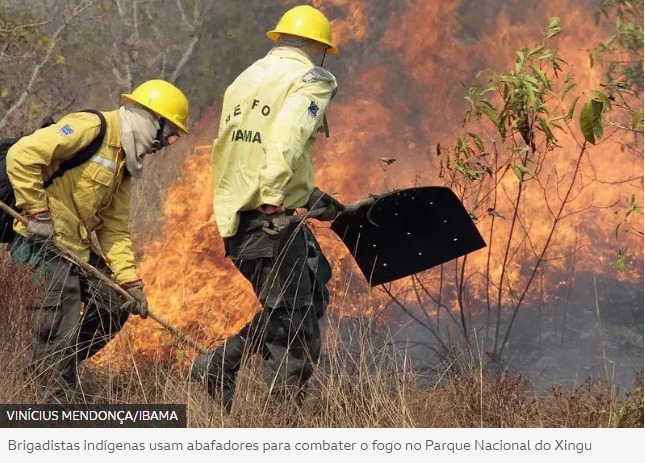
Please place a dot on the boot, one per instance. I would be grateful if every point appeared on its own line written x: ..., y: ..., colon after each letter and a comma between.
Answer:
x: 217, y: 370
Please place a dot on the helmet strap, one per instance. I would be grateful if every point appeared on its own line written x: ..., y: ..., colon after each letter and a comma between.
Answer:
x: 157, y: 144
x: 322, y: 61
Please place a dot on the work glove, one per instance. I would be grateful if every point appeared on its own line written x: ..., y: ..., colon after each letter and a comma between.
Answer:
x: 140, y: 304
x: 276, y: 221
x: 40, y: 227
x: 321, y: 200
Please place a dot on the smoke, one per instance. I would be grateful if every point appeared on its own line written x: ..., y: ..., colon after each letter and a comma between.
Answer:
x: 594, y: 330
x: 400, y: 70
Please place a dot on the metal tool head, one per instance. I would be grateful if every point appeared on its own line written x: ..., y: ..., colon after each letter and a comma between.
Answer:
x: 408, y: 231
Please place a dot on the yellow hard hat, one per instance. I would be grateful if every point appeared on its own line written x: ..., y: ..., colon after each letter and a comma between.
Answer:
x: 305, y: 21
x: 162, y: 98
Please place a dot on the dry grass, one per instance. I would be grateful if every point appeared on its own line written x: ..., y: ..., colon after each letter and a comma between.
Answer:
x: 362, y: 381
x: 16, y: 293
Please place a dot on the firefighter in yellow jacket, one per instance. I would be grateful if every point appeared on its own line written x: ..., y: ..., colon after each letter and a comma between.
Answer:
x: 68, y: 207
x: 262, y: 169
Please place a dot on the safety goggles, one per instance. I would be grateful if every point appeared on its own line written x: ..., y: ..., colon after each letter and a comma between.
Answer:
x: 167, y: 134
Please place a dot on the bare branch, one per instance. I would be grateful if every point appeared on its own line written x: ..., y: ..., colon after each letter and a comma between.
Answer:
x: 184, y: 58
x: 617, y: 182
x: 24, y: 26
x: 539, y: 261
x: 119, y: 8
x: 195, y: 29
x: 184, y: 19
x: 35, y: 74
x: 414, y: 317
x: 436, y: 301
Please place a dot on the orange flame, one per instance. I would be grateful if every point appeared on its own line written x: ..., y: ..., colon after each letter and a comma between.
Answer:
x: 399, y: 103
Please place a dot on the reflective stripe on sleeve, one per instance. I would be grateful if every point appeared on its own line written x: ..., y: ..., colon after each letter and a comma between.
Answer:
x: 104, y: 162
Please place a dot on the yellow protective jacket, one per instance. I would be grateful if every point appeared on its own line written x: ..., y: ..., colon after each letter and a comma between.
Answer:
x: 270, y: 119
x: 94, y: 196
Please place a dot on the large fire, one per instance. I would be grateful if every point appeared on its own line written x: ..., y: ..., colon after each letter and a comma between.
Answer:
x: 400, y: 97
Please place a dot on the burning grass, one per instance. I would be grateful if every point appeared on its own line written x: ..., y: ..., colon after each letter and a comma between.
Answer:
x: 363, y: 380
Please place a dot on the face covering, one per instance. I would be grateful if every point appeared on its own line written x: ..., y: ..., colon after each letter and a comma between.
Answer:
x: 138, y: 132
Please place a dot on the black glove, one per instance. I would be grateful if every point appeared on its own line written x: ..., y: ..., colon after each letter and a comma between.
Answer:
x: 140, y: 304
x: 276, y: 224
x: 321, y: 200
x: 40, y: 227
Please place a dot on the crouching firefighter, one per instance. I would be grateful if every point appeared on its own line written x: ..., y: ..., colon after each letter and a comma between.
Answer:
x: 70, y: 179
x: 262, y: 167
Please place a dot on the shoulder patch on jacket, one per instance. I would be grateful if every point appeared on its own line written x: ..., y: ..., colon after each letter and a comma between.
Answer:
x: 66, y: 130
x: 317, y: 73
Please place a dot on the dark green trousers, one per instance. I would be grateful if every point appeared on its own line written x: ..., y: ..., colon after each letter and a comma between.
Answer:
x: 78, y: 317
x: 289, y: 277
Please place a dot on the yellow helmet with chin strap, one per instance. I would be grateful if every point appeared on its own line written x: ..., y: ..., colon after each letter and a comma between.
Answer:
x: 163, y: 99
x: 305, y: 21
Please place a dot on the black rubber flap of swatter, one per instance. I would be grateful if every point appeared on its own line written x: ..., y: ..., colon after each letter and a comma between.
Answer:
x: 408, y: 231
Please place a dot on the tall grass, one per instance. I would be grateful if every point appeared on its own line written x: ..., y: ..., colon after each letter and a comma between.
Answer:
x: 16, y: 294
x: 363, y: 380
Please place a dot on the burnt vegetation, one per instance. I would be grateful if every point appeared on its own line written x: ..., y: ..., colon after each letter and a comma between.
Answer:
x: 499, y: 344
x: 362, y: 381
